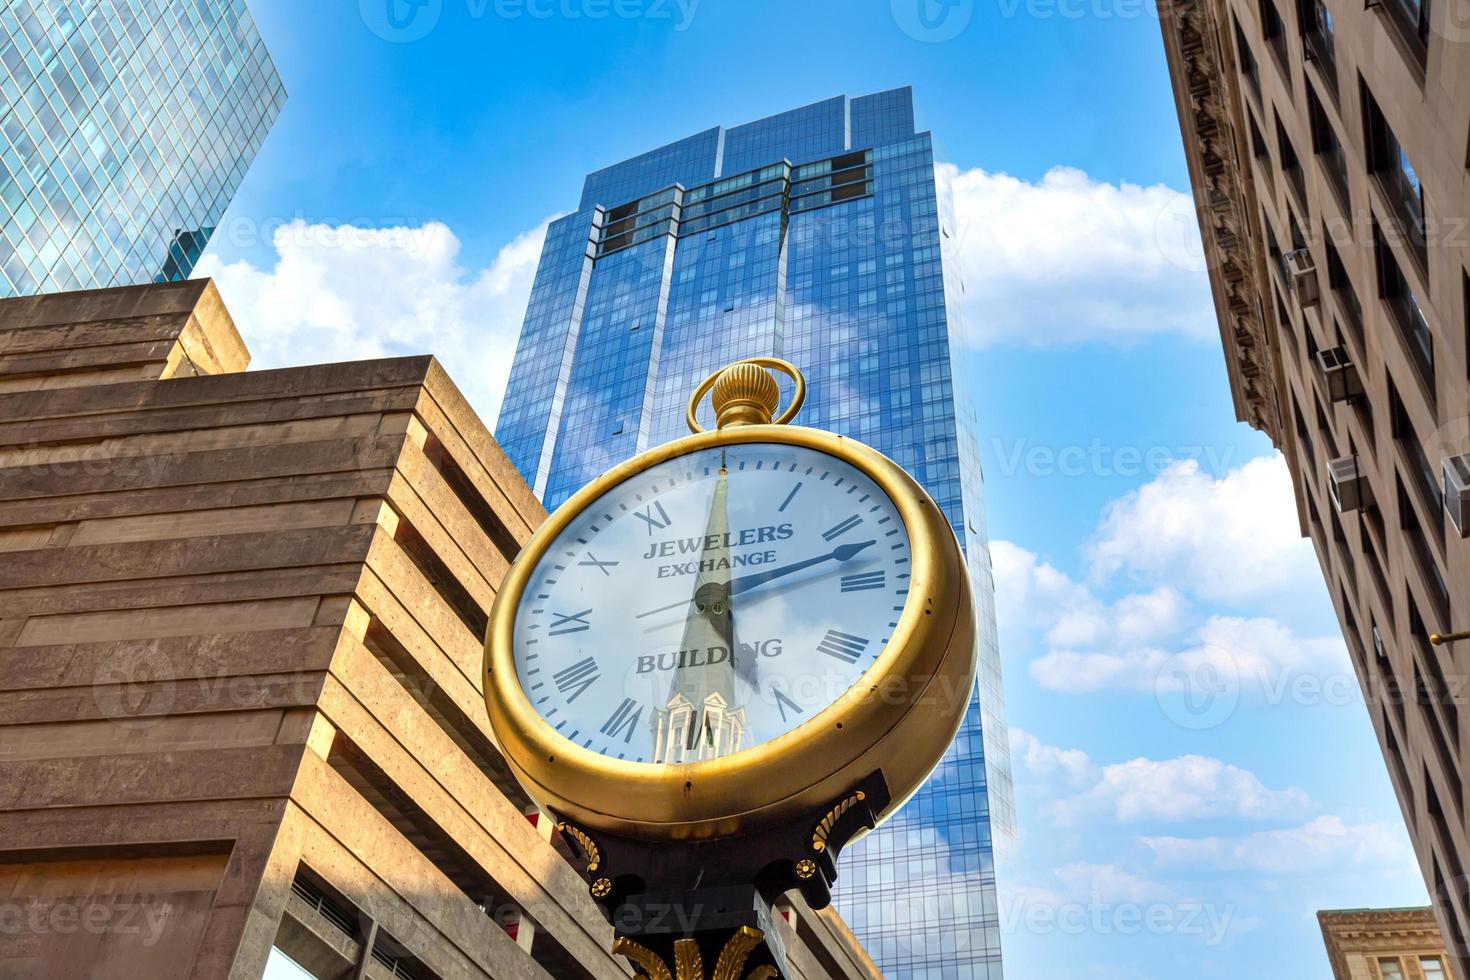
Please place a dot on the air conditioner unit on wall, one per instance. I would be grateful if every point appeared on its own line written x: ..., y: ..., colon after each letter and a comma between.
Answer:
x: 1338, y: 374
x: 1349, y: 484
x: 1303, y: 272
x: 1456, y: 470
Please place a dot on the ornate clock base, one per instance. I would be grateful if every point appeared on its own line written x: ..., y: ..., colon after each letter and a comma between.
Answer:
x: 678, y: 935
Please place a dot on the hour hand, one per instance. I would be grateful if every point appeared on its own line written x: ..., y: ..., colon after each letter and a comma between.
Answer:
x: 682, y: 603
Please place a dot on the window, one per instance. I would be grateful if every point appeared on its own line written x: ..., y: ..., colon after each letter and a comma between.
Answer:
x: 1438, y: 690
x: 1391, y: 969
x: 1274, y: 31
x: 1273, y: 252
x: 1432, y: 967
x: 1408, y: 315
x: 1411, y: 19
x: 1328, y: 147
x: 1259, y: 149
x: 1291, y: 164
x: 1317, y: 37
x: 1425, y: 479
x: 1248, y: 66
x: 1342, y: 288
x: 1396, y: 177
x: 1419, y: 546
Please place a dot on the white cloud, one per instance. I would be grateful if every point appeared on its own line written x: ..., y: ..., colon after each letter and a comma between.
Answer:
x: 1069, y: 259
x: 1258, y: 657
x: 1110, y: 885
x: 1325, y: 844
x: 339, y: 293
x: 1235, y: 539
x: 1072, y: 767
x: 1189, y: 787
x: 1232, y: 539
x: 1031, y: 591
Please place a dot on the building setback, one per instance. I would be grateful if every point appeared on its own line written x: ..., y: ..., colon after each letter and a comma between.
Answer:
x: 1327, y: 143
x: 126, y: 128
x: 818, y: 235
x: 241, y: 619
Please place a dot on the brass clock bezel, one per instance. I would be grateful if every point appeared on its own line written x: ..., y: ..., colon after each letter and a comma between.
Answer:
x: 899, y: 716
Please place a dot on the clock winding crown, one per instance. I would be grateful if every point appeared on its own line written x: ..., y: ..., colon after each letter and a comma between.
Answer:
x: 745, y: 394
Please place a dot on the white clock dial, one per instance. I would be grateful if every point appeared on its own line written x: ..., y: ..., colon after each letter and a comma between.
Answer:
x: 712, y: 603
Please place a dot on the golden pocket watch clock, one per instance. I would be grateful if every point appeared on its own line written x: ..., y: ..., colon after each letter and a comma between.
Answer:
x: 731, y: 628
x: 760, y: 632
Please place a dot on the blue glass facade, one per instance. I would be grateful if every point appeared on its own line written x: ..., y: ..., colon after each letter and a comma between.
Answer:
x: 818, y: 235
x: 125, y: 128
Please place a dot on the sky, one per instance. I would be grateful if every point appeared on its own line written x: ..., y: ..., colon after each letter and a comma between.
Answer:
x: 1196, y: 771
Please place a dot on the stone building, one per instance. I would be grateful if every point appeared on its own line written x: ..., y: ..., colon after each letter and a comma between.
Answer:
x: 1327, y: 146
x: 240, y: 647
x: 1384, y: 944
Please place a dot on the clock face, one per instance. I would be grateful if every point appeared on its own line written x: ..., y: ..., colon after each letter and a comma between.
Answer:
x: 711, y: 603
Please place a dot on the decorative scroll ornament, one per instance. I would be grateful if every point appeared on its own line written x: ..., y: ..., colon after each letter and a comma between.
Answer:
x: 689, y: 963
x: 588, y: 845
x: 645, y: 961
x: 735, y: 953
x: 824, y: 828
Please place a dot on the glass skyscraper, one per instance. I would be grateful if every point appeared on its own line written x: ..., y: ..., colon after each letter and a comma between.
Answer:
x: 818, y: 235
x: 125, y: 128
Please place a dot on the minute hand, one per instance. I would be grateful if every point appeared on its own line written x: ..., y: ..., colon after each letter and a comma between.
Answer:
x: 845, y: 553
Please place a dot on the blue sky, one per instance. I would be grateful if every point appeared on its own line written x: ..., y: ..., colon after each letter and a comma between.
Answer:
x: 1145, y: 542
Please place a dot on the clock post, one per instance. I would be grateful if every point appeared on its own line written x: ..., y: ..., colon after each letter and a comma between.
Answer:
x: 744, y: 784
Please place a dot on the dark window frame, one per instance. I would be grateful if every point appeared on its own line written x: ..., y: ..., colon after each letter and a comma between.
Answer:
x: 1397, y: 178
x: 1319, y: 40
x: 1273, y: 29
x: 1327, y: 147
x: 1410, y: 19
x: 1407, y: 312
x: 1249, y: 65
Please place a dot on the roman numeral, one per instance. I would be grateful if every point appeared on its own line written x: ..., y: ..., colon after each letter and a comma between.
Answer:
x: 863, y: 581
x: 783, y: 702
x: 601, y: 566
x: 654, y: 516
x: 626, y: 717
x: 575, y: 623
x: 842, y: 528
x: 573, y: 681
x: 843, y: 646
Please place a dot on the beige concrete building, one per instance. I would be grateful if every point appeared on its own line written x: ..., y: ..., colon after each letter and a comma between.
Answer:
x: 1327, y: 144
x: 1384, y: 944
x: 240, y: 644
